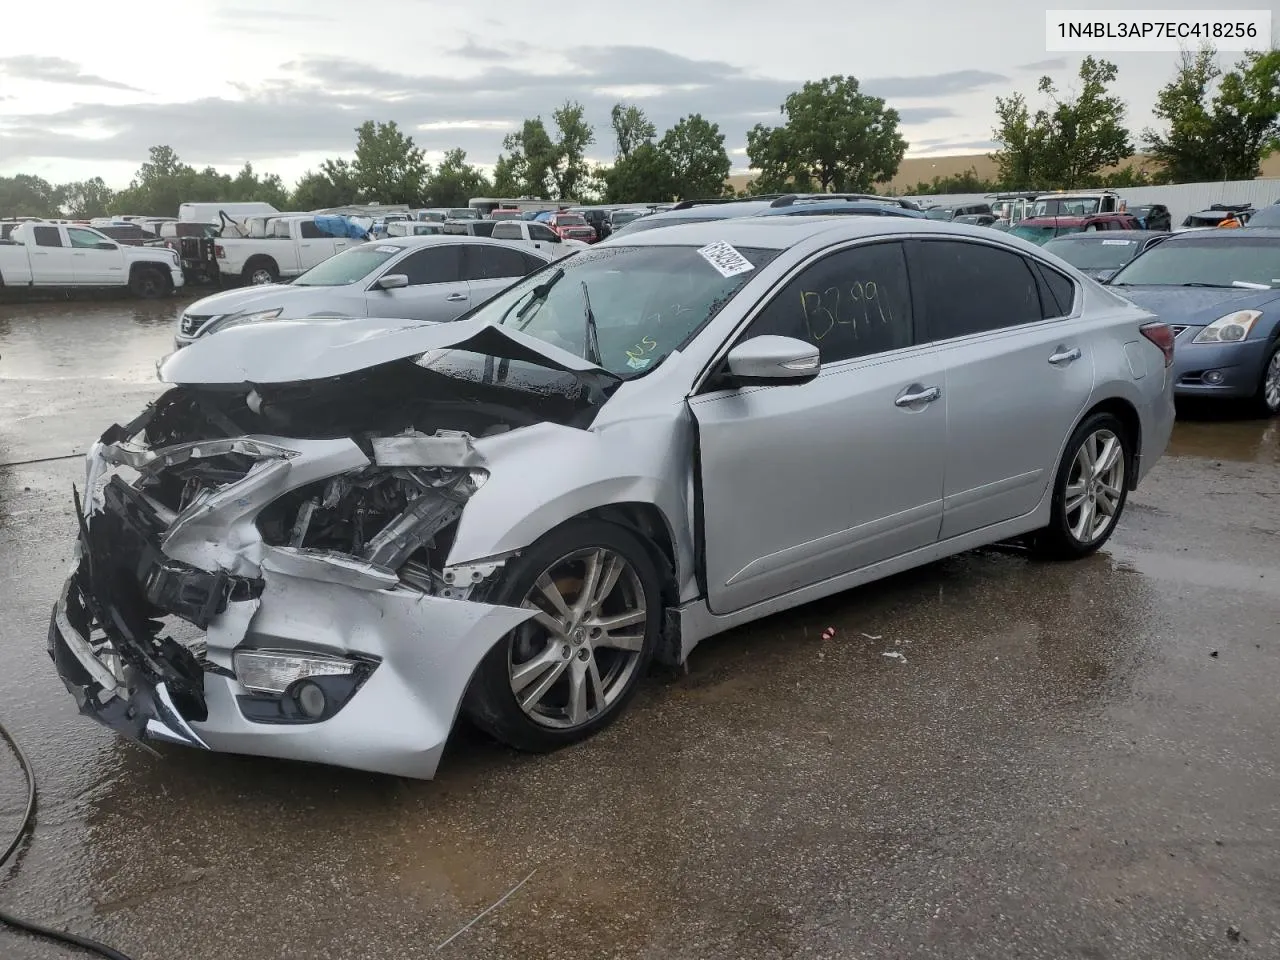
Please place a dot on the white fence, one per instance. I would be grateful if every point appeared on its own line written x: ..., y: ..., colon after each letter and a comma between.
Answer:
x: 1182, y: 199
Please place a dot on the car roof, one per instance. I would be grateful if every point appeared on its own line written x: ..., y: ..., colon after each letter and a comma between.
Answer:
x: 438, y: 238
x: 1137, y: 236
x: 779, y: 233
x: 1220, y: 235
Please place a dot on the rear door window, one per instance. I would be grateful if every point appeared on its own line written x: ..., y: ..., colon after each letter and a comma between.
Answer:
x: 975, y: 288
x: 433, y: 265
x: 506, y: 231
x: 47, y: 236
x: 491, y: 262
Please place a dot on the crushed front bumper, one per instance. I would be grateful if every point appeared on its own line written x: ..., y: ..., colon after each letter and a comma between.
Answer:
x: 139, y: 575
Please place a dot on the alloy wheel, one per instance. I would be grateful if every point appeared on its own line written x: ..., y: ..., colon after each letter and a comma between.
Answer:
x: 578, y: 654
x: 1271, y: 383
x: 1095, y: 486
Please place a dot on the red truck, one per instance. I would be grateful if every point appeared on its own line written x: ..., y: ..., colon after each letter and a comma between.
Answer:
x: 1043, y: 229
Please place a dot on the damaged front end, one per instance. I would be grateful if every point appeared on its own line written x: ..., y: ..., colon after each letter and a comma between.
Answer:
x: 265, y: 571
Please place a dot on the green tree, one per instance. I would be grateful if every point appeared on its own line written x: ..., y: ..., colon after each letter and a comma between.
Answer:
x: 455, y: 181
x: 333, y: 185
x: 631, y: 128
x: 643, y: 175
x: 695, y: 153
x: 1068, y: 143
x: 388, y: 167
x: 1187, y: 153
x: 164, y: 182
x: 1222, y: 135
x: 570, y: 170
x: 85, y: 199
x: 248, y: 187
x: 834, y: 136
x: 966, y: 182
x: 526, y: 168
x: 25, y: 195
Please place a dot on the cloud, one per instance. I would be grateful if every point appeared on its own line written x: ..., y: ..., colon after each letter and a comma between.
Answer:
x: 316, y: 106
x: 475, y: 51
x: 1057, y: 63
x: 55, y: 70
x: 943, y: 147
x: 241, y: 15
x: 935, y: 85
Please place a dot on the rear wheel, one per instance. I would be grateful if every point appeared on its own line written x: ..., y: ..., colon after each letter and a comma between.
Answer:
x: 568, y: 672
x: 150, y: 284
x: 1089, y: 491
x: 1267, y: 399
x: 260, y: 272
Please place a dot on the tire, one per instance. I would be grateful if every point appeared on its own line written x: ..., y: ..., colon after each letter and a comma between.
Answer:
x: 558, y: 664
x: 1067, y: 536
x: 1266, y: 401
x: 260, y: 271
x: 150, y: 284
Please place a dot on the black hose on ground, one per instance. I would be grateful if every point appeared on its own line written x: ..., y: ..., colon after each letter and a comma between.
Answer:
x: 24, y: 828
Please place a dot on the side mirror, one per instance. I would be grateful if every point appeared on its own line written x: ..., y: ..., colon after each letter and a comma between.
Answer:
x: 392, y: 281
x: 762, y: 361
x: 104, y: 245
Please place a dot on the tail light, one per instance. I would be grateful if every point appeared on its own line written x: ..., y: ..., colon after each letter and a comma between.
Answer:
x: 219, y: 252
x: 1162, y: 336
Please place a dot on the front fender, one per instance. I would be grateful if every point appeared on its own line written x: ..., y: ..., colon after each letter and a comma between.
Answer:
x: 544, y: 475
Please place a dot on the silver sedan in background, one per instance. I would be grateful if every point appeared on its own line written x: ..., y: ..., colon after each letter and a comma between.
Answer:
x: 325, y: 541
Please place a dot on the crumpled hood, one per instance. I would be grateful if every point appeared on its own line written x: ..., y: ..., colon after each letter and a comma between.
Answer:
x: 1195, y: 306
x: 253, y: 299
x: 293, y: 351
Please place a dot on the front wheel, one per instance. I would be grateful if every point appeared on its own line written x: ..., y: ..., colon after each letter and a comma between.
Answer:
x: 1089, y: 490
x: 1267, y: 399
x: 150, y: 284
x: 569, y: 671
x: 260, y: 272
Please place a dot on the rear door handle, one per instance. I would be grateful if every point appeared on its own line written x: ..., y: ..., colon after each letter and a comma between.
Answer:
x: 1064, y: 356
x: 456, y: 297
x: 917, y: 394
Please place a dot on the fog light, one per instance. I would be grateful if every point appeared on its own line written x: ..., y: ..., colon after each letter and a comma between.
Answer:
x: 311, y: 700
x: 1212, y: 377
x: 274, y: 671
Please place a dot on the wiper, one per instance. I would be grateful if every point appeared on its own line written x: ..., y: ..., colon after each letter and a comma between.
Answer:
x: 539, y: 293
x: 1216, y: 286
x: 593, y: 340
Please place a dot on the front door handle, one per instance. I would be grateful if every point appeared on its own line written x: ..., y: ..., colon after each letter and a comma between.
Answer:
x: 455, y: 297
x: 917, y: 394
x: 1064, y: 356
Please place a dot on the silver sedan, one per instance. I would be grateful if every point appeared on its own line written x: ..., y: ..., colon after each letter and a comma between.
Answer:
x: 324, y: 542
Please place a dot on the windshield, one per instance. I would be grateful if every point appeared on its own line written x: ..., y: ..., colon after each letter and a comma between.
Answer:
x: 1041, y: 234
x: 1108, y: 254
x: 349, y: 266
x: 506, y: 215
x: 1266, y: 217
x: 1207, y: 262
x: 646, y: 301
x: 938, y: 213
x: 571, y: 220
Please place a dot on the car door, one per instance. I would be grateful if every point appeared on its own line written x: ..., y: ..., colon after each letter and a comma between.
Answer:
x: 314, y: 245
x: 803, y: 482
x: 489, y: 268
x: 95, y: 260
x: 436, y: 290
x: 51, y: 262
x: 547, y: 240
x: 1019, y: 371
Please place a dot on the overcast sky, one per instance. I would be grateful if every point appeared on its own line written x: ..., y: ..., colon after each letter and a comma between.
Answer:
x: 86, y: 86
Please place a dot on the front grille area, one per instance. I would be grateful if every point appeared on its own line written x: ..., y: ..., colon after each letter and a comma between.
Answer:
x: 192, y: 322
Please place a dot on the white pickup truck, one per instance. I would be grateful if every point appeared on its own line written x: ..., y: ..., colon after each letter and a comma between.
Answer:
x: 291, y: 246
x: 40, y: 254
x: 537, y: 235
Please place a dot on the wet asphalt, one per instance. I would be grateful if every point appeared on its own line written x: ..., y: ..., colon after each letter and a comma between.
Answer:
x: 1074, y: 761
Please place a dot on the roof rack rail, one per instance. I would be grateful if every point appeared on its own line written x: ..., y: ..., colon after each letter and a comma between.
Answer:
x: 1231, y: 207
x: 686, y: 204
x: 788, y: 199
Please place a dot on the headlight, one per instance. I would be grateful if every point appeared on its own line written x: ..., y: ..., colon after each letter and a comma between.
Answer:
x: 239, y: 319
x: 1232, y: 328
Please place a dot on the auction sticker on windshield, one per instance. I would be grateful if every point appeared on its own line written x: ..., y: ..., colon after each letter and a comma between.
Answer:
x: 727, y: 261
x: 1117, y: 243
x: 388, y: 249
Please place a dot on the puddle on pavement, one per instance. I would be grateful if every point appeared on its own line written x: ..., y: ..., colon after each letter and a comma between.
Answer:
x: 117, y: 340
x: 1240, y: 440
